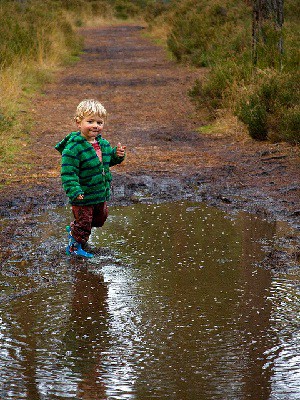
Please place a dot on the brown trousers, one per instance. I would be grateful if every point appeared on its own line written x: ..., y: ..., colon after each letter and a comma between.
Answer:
x: 87, y: 217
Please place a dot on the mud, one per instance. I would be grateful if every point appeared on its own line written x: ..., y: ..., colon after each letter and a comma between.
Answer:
x: 167, y: 159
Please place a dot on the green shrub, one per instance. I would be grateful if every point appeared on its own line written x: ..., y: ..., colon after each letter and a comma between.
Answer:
x: 269, y: 106
x: 73, y: 5
x: 209, y: 93
x: 32, y: 33
x: 200, y: 31
x: 290, y: 125
x: 5, y: 122
x: 218, y: 35
x: 155, y: 9
x: 216, y: 90
x: 252, y: 111
x: 102, y: 8
x: 125, y: 9
x: 36, y: 37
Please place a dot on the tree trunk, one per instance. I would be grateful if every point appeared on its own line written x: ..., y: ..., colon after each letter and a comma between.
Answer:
x: 267, y: 22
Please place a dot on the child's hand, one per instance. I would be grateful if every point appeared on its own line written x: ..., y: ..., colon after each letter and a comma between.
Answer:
x: 80, y: 197
x: 120, y: 150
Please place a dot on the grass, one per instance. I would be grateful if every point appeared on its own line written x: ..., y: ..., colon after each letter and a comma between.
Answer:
x: 217, y: 35
x: 226, y: 124
x: 39, y: 40
x: 18, y: 85
x: 36, y: 42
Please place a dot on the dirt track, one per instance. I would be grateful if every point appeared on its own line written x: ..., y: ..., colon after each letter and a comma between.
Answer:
x: 149, y: 111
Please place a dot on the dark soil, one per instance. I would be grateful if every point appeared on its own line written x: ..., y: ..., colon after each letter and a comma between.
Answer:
x: 167, y: 159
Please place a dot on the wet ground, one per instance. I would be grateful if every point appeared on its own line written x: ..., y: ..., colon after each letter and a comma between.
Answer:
x: 175, y: 304
x: 256, y: 256
x: 149, y: 111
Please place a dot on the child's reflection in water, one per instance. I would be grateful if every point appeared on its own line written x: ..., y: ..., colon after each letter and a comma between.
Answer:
x: 87, y: 337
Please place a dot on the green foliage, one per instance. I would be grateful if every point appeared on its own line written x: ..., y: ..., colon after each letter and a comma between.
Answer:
x: 125, y: 9
x: 154, y: 9
x: 37, y: 37
x: 200, y: 31
x: 218, y: 35
x: 5, y: 122
x: 252, y: 111
x: 217, y: 89
x: 290, y: 125
x: 31, y: 33
x: 270, y: 106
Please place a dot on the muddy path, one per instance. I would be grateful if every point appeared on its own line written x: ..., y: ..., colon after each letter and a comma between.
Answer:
x: 149, y: 111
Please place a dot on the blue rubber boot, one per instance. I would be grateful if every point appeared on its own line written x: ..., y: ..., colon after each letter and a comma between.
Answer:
x: 75, y: 247
x: 68, y: 229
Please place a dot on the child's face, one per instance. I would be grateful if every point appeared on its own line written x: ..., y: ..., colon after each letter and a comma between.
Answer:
x: 90, y: 127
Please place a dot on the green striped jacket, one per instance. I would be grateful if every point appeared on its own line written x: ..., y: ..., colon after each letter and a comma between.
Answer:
x: 81, y: 170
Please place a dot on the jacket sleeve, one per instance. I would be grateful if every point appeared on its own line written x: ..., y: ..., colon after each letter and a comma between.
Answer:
x: 70, y: 175
x: 114, y: 160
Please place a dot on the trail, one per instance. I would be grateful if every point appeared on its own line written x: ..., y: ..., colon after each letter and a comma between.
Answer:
x: 167, y: 276
x: 146, y: 97
x: 144, y: 94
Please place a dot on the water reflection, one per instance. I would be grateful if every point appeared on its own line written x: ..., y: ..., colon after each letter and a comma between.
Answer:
x: 179, y: 310
x: 87, y: 336
x: 30, y: 332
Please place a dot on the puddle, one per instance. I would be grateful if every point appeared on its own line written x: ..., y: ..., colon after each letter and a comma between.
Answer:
x: 174, y: 306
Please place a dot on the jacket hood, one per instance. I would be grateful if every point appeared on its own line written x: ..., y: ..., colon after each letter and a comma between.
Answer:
x: 71, y: 137
x: 63, y: 143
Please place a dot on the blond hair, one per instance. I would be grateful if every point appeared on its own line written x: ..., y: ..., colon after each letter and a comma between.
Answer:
x: 89, y: 107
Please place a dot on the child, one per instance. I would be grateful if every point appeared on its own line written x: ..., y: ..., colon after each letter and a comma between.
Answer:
x: 85, y: 174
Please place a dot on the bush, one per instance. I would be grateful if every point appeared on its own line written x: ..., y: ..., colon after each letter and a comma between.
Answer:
x: 270, y: 106
x: 32, y: 33
x: 154, y: 9
x: 125, y: 9
x: 217, y: 89
x: 201, y: 30
x: 217, y: 35
x: 252, y: 111
x: 290, y: 125
x: 209, y: 93
x: 36, y: 37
